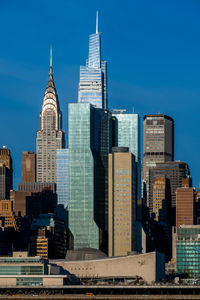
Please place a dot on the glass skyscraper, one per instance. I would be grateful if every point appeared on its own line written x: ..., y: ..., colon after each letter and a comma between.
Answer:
x: 62, y: 176
x: 93, y: 76
x: 126, y: 133
x: 89, y: 145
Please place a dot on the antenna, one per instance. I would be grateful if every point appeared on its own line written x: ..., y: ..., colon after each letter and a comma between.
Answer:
x: 97, y: 22
x: 51, y: 56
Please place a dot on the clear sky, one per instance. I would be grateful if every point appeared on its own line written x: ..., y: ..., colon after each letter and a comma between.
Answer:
x: 153, y: 53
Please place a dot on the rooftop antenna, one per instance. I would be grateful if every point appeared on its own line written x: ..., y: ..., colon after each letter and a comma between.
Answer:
x: 97, y: 21
x: 51, y: 56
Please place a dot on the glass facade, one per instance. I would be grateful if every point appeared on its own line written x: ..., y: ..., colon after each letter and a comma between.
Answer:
x: 93, y: 76
x: 62, y: 176
x: 126, y: 133
x: 188, y: 250
x: 29, y: 281
x: 89, y: 145
x: 21, y: 270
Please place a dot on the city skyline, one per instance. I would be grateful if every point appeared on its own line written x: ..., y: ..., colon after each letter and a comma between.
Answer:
x: 23, y: 75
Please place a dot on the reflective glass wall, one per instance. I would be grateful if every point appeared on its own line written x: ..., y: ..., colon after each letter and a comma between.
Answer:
x: 62, y: 174
x: 89, y: 144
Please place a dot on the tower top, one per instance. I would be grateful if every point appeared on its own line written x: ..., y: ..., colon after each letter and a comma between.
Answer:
x: 97, y: 21
x: 50, y: 56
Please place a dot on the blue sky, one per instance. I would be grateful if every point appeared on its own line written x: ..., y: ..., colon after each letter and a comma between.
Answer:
x: 153, y: 53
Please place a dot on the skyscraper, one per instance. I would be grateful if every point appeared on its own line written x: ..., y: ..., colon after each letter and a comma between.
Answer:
x: 89, y: 145
x: 6, y: 173
x: 185, y: 209
x: 158, y: 143
x: 126, y: 133
x: 50, y: 136
x: 122, y: 202
x: 93, y: 76
x: 5, y: 158
x: 28, y: 166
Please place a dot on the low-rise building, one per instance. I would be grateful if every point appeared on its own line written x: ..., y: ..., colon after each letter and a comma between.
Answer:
x: 21, y: 270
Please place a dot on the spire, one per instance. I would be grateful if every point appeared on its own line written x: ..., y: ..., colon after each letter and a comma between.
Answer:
x: 51, y: 81
x: 51, y: 56
x: 97, y: 30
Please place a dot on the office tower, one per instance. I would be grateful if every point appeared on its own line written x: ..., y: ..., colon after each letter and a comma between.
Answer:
x: 158, y: 143
x: 89, y: 145
x: 62, y: 176
x: 121, y: 202
x: 6, y: 173
x: 159, y: 199
x: 174, y: 172
x: 50, y: 136
x: 5, y: 158
x: 5, y: 182
x: 187, y: 250
x: 93, y: 76
x: 28, y: 166
x: 185, y: 197
x: 126, y: 133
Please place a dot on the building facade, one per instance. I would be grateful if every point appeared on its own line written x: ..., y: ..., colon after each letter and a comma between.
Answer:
x: 5, y: 157
x: 5, y: 182
x: 174, y: 172
x: 185, y: 204
x: 89, y: 145
x: 159, y: 199
x: 188, y: 250
x: 50, y: 137
x: 121, y: 202
x: 126, y: 133
x: 93, y: 76
x: 158, y: 143
x: 62, y: 176
x: 28, y: 166
x: 6, y: 173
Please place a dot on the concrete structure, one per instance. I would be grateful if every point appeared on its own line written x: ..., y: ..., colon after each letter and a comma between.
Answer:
x: 93, y: 76
x: 174, y: 172
x: 50, y: 136
x: 185, y: 198
x: 150, y: 266
x: 159, y: 199
x: 126, y: 133
x: 158, y: 143
x: 28, y: 166
x: 121, y: 202
x: 89, y: 145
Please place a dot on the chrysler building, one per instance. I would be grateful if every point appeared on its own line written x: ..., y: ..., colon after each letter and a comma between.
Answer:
x: 50, y: 136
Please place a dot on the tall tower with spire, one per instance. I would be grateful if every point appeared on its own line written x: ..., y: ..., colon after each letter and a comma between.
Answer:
x: 50, y: 136
x: 93, y: 76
